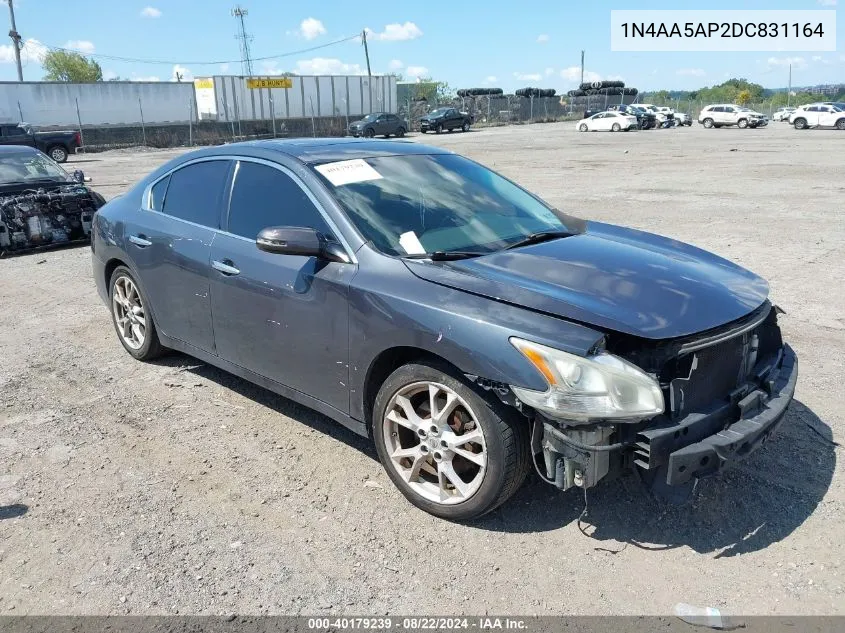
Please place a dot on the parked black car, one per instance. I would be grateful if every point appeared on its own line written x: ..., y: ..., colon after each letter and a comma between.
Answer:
x: 58, y: 145
x: 445, y: 119
x: 378, y: 124
x: 40, y: 203
x: 466, y: 326
x: 645, y: 120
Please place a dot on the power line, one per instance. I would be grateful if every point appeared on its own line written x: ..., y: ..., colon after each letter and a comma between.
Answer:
x: 202, y: 63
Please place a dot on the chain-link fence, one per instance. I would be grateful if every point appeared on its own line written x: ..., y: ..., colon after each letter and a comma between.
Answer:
x: 497, y: 110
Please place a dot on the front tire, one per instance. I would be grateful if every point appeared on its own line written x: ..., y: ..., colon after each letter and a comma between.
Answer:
x: 840, y: 124
x: 451, y: 451
x: 583, y: 127
x: 708, y: 123
x: 400, y: 132
x: 742, y: 124
x: 132, y: 319
x: 58, y: 153
x: 465, y: 127
x: 800, y: 124
x: 369, y: 133
x: 438, y: 128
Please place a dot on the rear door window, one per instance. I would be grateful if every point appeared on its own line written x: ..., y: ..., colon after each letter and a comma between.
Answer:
x: 195, y: 192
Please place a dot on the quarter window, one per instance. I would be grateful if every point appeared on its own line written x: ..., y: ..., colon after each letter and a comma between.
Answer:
x: 264, y: 196
x: 195, y: 191
x: 157, y: 194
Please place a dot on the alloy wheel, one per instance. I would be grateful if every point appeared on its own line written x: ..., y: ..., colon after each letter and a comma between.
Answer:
x: 435, y: 443
x: 129, y: 313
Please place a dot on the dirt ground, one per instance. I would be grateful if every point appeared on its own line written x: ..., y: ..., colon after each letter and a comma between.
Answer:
x: 174, y: 488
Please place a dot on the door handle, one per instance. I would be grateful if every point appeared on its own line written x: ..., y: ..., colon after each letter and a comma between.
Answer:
x: 225, y: 267
x: 140, y: 240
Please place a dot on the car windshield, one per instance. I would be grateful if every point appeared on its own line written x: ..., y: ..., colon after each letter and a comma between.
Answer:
x: 411, y: 205
x: 30, y: 167
x: 438, y: 111
x: 370, y: 117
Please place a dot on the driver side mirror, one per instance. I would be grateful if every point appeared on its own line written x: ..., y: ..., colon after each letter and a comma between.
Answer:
x: 294, y: 240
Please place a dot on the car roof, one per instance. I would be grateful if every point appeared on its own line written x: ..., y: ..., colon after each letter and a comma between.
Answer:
x: 17, y: 149
x: 319, y: 150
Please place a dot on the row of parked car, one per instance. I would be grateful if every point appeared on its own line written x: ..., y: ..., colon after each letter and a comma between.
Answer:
x: 385, y: 124
x: 624, y: 117
x: 828, y: 114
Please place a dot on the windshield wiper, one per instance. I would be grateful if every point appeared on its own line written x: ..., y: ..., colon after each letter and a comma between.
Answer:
x: 444, y: 256
x: 536, y: 238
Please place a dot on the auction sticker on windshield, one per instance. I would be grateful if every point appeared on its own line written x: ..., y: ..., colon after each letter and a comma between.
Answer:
x: 346, y: 172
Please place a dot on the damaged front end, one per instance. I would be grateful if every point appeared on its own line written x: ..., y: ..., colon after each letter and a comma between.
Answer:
x: 720, y: 395
x: 42, y: 217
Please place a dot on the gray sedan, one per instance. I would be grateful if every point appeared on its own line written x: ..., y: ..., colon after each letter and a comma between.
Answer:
x: 473, y: 331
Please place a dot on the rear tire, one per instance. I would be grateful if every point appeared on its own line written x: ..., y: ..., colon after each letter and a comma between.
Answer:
x: 58, y: 153
x: 425, y: 475
x: 616, y: 127
x: 132, y: 317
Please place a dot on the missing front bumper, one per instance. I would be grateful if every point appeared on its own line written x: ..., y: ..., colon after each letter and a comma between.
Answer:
x: 702, y: 444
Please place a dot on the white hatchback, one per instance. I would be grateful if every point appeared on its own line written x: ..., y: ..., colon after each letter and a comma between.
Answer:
x: 607, y: 122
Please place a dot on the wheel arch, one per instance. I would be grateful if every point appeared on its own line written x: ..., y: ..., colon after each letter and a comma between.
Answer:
x: 384, y: 364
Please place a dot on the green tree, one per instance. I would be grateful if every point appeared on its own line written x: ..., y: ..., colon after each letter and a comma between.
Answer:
x: 72, y: 67
x: 744, y: 97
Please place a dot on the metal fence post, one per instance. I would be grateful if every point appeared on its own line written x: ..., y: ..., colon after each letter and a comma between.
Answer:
x: 20, y: 111
x: 531, y: 115
x: 190, y: 122
x: 313, y: 126
x: 79, y: 120
x: 273, y: 112
x: 143, y: 127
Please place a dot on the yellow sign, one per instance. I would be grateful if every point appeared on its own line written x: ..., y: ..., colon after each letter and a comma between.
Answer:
x: 205, y: 82
x: 281, y: 82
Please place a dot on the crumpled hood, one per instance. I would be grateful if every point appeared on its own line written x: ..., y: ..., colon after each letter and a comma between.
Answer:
x: 613, y: 278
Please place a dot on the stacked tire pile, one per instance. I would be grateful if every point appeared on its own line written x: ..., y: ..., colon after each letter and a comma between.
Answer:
x: 610, y: 88
x: 535, y: 92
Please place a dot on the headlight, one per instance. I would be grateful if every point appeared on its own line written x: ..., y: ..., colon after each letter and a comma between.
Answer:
x: 602, y: 386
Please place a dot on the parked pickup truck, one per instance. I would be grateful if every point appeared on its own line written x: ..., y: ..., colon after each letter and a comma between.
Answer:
x: 58, y: 144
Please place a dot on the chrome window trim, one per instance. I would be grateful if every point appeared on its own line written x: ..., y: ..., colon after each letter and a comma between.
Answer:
x: 146, y: 197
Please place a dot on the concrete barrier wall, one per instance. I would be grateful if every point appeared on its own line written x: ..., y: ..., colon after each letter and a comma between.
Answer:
x: 54, y: 104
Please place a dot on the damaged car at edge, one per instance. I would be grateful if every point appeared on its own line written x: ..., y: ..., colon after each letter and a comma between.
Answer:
x: 473, y: 331
x: 40, y: 203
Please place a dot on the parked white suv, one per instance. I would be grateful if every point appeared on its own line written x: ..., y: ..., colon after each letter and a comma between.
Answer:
x: 782, y: 114
x: 818, y: 115
x: 724, y: 114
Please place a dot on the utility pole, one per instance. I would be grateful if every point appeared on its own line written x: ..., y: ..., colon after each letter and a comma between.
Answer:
x: 369, y: 74
x: 16, y: 39
x: 246, y: 61
x: 582, y: 66
x: 789, y: 90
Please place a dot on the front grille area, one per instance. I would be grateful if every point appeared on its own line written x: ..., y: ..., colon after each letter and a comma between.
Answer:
x: 698, y: 380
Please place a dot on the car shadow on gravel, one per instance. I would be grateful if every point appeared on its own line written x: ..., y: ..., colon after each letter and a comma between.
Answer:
x: 269, y: 399
x: 746, y: 508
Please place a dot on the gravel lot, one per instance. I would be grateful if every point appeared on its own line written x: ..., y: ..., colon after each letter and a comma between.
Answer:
x: 175, y: 488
